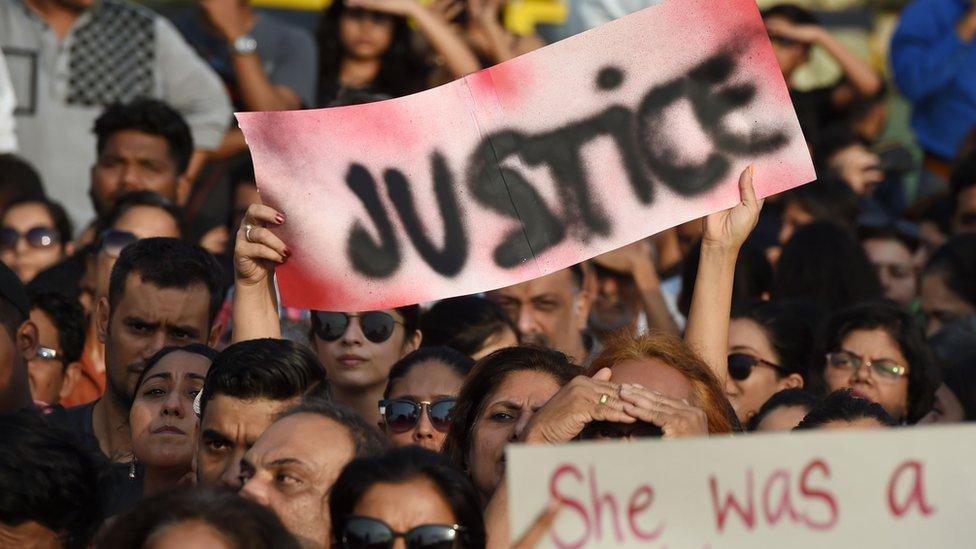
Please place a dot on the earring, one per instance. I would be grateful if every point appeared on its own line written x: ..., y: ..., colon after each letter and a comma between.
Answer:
x: 132, y: 468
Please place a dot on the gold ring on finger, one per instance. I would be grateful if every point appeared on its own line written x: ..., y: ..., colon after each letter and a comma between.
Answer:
x: 247, y: 232
x: 604, y: 398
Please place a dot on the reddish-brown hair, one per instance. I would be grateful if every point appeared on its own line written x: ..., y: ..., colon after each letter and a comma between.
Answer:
x: 706, y: 390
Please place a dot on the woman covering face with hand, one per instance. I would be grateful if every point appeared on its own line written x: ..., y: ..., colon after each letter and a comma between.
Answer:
x: 163, y: 423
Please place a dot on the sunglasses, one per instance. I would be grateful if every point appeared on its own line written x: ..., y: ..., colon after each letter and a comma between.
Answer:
x: 113, y: 241
x: 884, y: 369
x: 377, y: 326
x: 38, y: 237
x: 609, y: 430
x: 402, y: 414
x: 741, y: 365
x: 370, y: 533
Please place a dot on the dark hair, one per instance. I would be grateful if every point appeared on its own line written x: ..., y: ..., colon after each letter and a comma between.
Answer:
x: 464, y: 323
x: 787, y: 398
x: 963, y: 177
x: 135, y: 199
x: 167, y: 263
x: 193, y: 349
x: 54, y: 210
x: 274, y: 369
x: 792, y: 13
x: 825, y: 264
x: 826, y: 199
x: 68, y: 318
x: 402, y: 70
x: 923, y: 375
x: 791, y: 328
x: 752, y: 279
x: 366, y: 439
x: 244, y: 523
x: 485, y: 378
x: 956, y: 262
x: 403, y: 465
x: 903, y: 232
x: 461, y: 364
x: 18, y: 179
x: 147, y: 116
x: 47, y: 478
x: 842, y: 405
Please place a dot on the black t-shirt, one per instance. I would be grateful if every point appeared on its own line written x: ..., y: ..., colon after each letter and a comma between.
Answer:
x: 120, y: 484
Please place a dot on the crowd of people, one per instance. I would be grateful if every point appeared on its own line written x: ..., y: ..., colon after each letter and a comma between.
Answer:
x: 154, y: 394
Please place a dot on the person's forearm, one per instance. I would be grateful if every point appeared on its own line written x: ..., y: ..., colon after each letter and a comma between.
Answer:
x: 655, y: 306
x: 256, y: 312
x: 860, y: 74
x: 259, y: 93
x: 497, y: 41
x: 196, y: 164
x: 711, y: 306
x: 458, y: 56
x: 496, y: 518
x: 232, y: 144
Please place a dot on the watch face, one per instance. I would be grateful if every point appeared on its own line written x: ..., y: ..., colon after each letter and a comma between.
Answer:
x: 245, y: 44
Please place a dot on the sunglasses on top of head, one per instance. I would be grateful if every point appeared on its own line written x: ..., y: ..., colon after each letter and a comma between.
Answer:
x: 377, y: 326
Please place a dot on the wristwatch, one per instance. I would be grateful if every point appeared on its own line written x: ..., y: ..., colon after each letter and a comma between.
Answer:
x: 245, y: 44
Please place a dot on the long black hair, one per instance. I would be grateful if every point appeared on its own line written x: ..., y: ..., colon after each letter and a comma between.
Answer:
x: 402, y: 70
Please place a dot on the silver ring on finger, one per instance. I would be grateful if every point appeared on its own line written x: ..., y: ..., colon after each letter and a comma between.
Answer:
x: 247, y: 232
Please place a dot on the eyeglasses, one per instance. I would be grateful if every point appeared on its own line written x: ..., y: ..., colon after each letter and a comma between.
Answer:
x: 606, y: 429
x: 403, y: 414
x: 113, y: 241
x: 886, y: 370
x: 741, y: 365
x: 370, y: 533
x: 47, y: 353
x: 377, y: 326
x: 38, y: 237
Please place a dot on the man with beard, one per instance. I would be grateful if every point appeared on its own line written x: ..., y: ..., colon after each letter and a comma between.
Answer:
x: 162, y: 292
x: 627, y: 286
x: 551, y: 311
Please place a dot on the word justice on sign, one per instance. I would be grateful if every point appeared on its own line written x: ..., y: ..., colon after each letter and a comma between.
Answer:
x: 532, y: 165
x: 886, y: 488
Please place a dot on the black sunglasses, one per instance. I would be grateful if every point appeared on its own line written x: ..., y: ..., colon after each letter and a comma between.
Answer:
x: 113, y: 241
x: 741, y: 365
x: 370, y: 533
x: 403, y: 414
x: 377, y: 326
x: 38, y: 237
x: 609, y: 430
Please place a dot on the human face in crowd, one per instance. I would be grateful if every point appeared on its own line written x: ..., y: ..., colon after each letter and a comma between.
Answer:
x: 403, y: 506
x: 229, y: 428
x: 941, y: 304
x: 29, y: 535
x: 617, y: 302
x: 502, y: 339
x: 655, y: 375
x: 161, y: 419
x: 15, y: 350
x: 291, y: 470
x: 29, y: 255
x: 872, y: 345
x: 142, y: 222
x: 790, y: 54
x: 355, y: 362
x: 147, y: 318
x: 429, y: 382
x: 550, y: 311
x: 747, y: 337
x: 895, y: 265
x: 365, y: 35
x: 135, y: 161
x: 189, y: 534
x: 858, y: 167
x: 506, y: 413
x: 793, y: 217
x: 50, y: 378
x: 964, y: 220
x: 784, y: 418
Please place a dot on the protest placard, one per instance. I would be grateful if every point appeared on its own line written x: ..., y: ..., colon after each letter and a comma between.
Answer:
x: 884, y: 488
x: 530, y: 166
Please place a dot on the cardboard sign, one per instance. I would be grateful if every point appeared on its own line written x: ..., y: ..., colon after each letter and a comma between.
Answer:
x: 530, y: 166
x: 909, y: 487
